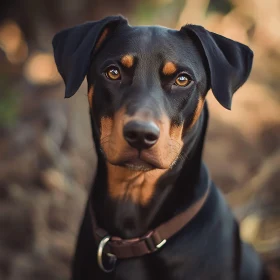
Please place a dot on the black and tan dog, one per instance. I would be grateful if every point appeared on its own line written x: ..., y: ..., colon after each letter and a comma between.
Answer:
x: 154, y: 212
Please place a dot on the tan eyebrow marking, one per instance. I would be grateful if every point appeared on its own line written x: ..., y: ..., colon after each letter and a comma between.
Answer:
x: 127, y: 60
x: 169, y: 68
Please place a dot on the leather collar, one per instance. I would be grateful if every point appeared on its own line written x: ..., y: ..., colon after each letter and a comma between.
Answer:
x: 118, y: 248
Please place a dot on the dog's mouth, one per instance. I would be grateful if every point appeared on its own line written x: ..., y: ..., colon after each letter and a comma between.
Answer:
x: 138, y: 163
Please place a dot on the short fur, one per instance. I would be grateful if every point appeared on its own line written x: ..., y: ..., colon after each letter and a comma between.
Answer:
x: 136, y: 190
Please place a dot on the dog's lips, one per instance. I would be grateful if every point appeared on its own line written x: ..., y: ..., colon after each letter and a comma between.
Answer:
x: 138, y: 163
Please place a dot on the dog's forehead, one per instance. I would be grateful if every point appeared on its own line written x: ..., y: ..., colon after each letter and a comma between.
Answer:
x: 151, y: 42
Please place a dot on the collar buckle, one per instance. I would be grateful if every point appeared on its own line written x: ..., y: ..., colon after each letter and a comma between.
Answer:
x: 153, y: 241
x: 111, y: 258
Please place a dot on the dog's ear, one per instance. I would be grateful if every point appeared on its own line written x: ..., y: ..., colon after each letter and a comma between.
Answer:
x: 229, y: 62
x: 73, y: 48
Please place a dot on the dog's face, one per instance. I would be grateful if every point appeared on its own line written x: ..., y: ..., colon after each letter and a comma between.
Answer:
x: 147, y: 85
x: 146, y: 89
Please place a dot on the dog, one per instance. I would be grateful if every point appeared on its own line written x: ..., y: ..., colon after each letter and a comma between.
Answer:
x: 153, y: 211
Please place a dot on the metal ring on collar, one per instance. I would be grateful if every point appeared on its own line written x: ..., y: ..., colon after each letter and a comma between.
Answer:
x: 101, y: 246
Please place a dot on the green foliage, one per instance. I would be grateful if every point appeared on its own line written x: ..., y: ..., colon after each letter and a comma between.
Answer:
x: 9, y: 105
x: 157, y: 12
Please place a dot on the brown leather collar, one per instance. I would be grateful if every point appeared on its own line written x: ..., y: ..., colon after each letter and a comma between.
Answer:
x: 118, y: 248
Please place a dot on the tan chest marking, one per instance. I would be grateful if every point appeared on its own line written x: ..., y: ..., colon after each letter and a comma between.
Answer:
x: 137, y: 186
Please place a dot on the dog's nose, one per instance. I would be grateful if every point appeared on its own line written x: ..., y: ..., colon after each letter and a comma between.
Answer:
x: 140, y: 134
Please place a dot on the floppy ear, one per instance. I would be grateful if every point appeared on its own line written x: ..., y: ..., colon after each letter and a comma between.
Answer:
x: 73, y: 48
x: 229, y: 62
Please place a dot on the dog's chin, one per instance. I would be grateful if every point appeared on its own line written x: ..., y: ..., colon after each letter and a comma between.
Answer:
x: 134, y: 161
x: 144, y: 167
x: 136, y: 164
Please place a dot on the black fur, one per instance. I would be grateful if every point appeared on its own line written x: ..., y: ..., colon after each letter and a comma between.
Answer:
x: 209, y: 247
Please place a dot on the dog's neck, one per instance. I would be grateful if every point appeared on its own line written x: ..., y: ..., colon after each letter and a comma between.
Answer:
x: 128, y: 204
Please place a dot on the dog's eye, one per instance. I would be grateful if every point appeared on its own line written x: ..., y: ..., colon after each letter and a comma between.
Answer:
x: 182, y: 80
x: 113, y: 73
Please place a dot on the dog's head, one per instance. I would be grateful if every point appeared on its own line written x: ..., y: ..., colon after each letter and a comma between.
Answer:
x: 147, y: 85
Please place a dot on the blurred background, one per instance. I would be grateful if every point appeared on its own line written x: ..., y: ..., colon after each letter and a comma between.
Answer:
x: 47, y: 158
